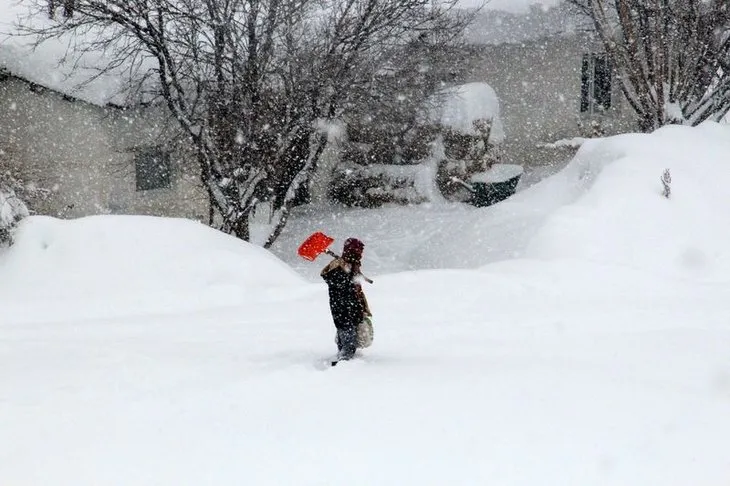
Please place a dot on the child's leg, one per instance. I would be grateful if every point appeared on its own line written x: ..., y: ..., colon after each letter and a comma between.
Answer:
x: 347, y: 342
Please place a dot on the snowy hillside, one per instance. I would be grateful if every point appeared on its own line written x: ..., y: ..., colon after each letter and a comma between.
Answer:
x: 576, y: 334
x: 109, y: 265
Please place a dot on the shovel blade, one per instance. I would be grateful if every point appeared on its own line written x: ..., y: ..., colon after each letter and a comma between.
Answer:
x: 315, y: 245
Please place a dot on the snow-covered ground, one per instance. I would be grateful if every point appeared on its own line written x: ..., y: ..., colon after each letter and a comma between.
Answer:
x: 576, y: 334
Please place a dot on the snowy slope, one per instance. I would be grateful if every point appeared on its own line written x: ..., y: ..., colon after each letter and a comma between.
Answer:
x: 594, y: 357
x: 108, y: 265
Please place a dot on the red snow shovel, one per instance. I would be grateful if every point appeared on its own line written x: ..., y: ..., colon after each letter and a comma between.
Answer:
x: 315, y: 245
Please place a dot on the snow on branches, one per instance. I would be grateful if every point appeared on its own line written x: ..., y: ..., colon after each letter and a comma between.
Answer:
x: 247, y: 81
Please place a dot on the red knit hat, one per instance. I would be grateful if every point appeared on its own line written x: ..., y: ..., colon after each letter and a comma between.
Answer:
x: 352, y: 250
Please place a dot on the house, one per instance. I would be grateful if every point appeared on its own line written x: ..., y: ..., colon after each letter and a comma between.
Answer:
x: 552, y: 79
x: 95, y: 159
x: 74, y: 133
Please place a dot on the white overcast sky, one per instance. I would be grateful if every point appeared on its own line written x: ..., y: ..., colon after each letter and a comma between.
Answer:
x: 516, y: 6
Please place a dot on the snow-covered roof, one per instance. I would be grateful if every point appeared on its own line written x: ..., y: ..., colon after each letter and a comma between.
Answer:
x: 55, y: 65
x: 514, y: 6
x: 518, y: 25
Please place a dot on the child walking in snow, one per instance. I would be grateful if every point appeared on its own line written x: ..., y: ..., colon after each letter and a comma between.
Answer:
x: 348, y: 304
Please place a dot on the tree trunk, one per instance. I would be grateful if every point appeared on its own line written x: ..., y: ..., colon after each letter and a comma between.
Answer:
x: 646, y: 122
x: 667, y: 52
x: 302, y: 177
x: 240, y: 227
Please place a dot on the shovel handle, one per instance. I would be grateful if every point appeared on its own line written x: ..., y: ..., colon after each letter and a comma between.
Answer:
x: 335, y: 255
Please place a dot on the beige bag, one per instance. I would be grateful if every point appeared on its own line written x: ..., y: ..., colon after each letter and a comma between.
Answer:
x: 365, y: 333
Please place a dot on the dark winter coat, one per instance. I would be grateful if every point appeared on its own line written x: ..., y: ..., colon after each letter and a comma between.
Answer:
x: 347, y: 303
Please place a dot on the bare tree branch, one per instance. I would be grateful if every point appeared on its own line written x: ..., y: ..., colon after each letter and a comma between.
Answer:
x: 246, y: 80
x: 670, y: 56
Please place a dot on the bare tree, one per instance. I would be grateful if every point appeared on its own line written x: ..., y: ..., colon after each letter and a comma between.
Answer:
x: 672, y: 57
x: 247, y: 80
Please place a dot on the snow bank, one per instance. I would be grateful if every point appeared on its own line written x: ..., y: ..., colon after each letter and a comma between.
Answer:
x: 460, y: 106
x: 144, y: 262
x: 606, y: 207
x: 622, y: 218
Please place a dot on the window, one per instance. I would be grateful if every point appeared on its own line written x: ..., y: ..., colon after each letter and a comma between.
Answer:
x: 595, y: 86
x: 152, y: 167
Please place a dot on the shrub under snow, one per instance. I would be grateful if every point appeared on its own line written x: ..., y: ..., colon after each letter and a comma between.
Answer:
x: 12, y: 210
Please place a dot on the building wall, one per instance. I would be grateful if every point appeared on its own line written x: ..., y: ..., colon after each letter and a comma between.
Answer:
x: 538, y: 83
x: 85, y: 155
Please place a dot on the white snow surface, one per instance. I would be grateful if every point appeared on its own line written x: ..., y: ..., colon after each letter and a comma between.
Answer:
x: 104, y: 266
x: 498, y: 173
x: 575, y: 334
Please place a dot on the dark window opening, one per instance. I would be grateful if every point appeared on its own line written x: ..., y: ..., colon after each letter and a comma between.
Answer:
x: 595, y: 86
x: 152, y: 167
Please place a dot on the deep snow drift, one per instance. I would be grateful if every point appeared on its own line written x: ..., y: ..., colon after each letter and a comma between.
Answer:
x: 108, y: 265
x: 579, y: 338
